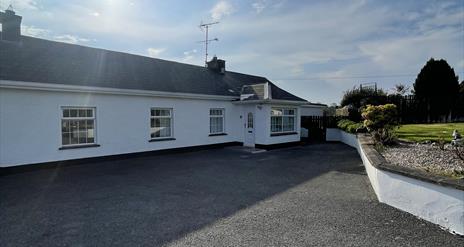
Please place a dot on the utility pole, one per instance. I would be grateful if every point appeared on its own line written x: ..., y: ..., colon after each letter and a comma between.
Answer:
x: 207, y: 41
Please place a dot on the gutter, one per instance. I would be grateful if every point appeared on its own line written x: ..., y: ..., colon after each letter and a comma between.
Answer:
x: 271, y: 101
x: 103, y: 90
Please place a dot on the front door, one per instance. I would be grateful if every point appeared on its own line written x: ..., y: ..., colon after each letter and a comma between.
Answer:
x: 249, y: 130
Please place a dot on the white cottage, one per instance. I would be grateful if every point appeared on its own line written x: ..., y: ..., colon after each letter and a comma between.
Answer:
x: 62, y: 102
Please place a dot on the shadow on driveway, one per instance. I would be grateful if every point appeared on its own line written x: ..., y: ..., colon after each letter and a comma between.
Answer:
x: 312, y: 195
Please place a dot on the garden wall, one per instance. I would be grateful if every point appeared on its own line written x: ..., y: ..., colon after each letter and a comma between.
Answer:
x: 438, y: 200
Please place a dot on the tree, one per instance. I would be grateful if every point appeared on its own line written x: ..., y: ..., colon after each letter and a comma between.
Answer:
x: 362, y: 97
x: 330, y: 110
x: 458, y: 112
x: 400, y: 89
x: 355, y: 99
x: 437, y: 86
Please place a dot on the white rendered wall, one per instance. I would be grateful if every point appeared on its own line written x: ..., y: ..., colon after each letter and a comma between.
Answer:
x: 332, y: 135
x: 263, y: 132
x: 312, y: 111
x: 30, y: 124
x: 438, y: 204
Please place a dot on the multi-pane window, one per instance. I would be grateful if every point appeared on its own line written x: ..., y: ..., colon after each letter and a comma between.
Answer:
x: 77, y: 126
x: 216, y: 121
x: 283, y: 120
x: 160, y: 123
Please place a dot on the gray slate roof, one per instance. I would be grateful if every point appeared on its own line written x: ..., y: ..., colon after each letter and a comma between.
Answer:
x: 39, y: 60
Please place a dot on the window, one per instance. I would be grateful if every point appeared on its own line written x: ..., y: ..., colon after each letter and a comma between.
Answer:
x: 283, y: 120
x: 216, y: 121
x: 160, y: 123
x: 250, y: 120
x: 77, y: 126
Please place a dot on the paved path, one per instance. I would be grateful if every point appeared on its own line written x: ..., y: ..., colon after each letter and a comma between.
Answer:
x: 314, y: 195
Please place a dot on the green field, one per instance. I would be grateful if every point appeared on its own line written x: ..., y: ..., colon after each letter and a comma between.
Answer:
x: 432, y: 132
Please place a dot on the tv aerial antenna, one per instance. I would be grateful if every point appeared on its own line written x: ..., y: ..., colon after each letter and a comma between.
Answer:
x: 205, y: 26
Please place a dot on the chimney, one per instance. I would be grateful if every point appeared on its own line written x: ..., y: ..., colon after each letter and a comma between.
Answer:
x: 217, y: 65
x: 11, y: 25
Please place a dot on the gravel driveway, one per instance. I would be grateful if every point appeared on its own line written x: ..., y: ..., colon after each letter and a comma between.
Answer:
x: 313, y: 195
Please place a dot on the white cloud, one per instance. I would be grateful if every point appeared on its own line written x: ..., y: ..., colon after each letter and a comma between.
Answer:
x: 117, y: 20
x: 155, y: 52
x: 48, y: 34
x: 221, y: 9
x: 71, y: 39
x: 187, y: 53
x: 259, y: 6
x: 189, y: 56
x: 35, y: 31
x: 24, y: 4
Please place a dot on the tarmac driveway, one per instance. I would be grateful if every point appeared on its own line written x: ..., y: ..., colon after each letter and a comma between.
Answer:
x: 313, y: 195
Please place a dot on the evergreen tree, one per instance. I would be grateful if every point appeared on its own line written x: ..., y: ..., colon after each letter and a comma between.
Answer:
x: 437, y: 86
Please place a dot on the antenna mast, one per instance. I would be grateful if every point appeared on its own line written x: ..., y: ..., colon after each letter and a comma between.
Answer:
x: 207, y: 41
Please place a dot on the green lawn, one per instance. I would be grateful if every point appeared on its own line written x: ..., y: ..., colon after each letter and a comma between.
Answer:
x: 433, y: 132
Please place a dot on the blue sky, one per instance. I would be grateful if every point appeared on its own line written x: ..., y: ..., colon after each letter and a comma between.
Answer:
x: 314, y: 49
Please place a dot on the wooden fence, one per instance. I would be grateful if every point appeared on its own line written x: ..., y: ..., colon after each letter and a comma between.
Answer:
x: 413, y: 110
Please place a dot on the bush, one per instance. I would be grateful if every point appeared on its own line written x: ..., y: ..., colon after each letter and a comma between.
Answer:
x: 381, y: 121
x: 349, y: 126
x: 358, y: 97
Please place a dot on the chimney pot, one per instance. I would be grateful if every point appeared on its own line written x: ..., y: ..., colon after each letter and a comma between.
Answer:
x: 217, y: 65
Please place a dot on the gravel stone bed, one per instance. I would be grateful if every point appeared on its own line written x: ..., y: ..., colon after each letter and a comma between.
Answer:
x: 428, y: 157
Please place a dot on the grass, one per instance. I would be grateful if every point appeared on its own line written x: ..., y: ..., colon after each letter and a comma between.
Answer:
x: 426, y: 132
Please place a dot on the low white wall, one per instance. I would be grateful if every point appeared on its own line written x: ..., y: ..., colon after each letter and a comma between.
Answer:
x: 438, y: 204
x: 333, y: 134
x: 312, y: 110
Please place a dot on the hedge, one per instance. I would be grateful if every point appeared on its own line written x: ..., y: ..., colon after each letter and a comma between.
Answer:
x: 349, y: 126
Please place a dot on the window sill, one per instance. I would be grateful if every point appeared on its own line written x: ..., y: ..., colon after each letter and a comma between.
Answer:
x: 79, y: 146
x: 162, y: 139
x: 284, y: 134
x: 218, y: 134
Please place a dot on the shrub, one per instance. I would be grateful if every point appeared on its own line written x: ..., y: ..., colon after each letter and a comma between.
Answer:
x: 381, y: 121
x: 355, y: 99
x: 358, y: 97
x: 349, y: 126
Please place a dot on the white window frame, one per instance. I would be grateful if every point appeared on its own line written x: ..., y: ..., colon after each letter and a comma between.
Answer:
x: 283, y: 109
x: 222, y: 116
x: 63, y: 118
x: 171, y: 117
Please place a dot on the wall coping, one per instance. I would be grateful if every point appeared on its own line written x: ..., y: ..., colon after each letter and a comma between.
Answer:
x: 378, y: 161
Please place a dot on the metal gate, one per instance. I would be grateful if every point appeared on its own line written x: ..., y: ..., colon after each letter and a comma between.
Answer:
x: 317, y: 126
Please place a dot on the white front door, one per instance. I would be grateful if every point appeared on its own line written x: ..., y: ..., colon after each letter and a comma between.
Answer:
x: 249, y: 130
